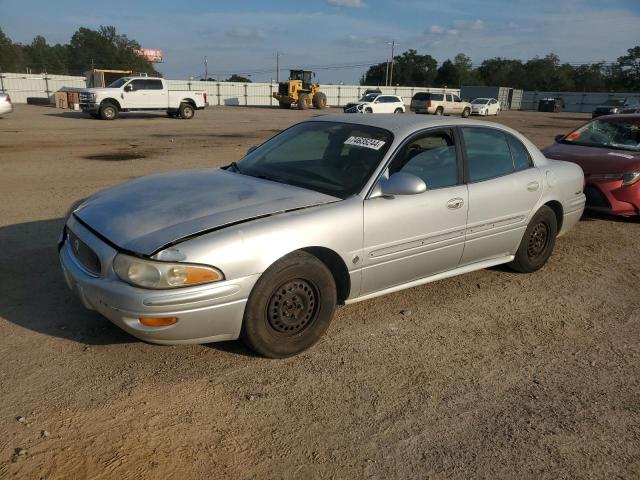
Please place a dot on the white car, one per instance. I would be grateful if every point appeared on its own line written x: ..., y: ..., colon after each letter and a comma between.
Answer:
x: 376, y: 103
x: 5, y: 104
x: 485, y: 106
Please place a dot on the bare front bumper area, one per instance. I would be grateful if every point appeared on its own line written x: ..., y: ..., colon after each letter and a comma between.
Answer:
x: 206, y: 313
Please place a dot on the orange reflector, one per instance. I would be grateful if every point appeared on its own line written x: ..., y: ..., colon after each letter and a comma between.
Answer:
x: 158, y: 321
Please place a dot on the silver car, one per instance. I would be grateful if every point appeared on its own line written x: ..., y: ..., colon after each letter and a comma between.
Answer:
x: 333, y: 210
x: 5, y: 104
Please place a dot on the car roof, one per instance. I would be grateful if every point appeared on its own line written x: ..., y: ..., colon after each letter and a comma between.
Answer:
x: 404, y: 124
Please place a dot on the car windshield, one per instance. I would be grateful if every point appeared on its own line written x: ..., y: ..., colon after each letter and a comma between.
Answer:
x: 480, y: 101
x: 369, y: 97
x: 620, y: 134
x: 332, y: 158
x: 118, y: 83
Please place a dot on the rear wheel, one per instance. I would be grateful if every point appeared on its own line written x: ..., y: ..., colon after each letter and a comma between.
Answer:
x: 290, y: 307
x: 439, y: 111
x: 398, y: 110
x: 108, y: 111
x: 285, y: 106
x: 303, y: 101
x: 186, y: 111
x: 320, y: 100
x: 537, y: 243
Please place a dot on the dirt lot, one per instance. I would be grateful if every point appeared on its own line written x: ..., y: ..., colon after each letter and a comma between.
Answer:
x: 489, y: 375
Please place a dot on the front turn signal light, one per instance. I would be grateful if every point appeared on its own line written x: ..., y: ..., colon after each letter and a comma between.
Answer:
x: 158, y: 321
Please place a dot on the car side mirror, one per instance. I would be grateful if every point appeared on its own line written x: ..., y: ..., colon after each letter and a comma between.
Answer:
x: 128, y: 88
x: 251, y: 149
x: 399, y: 184
x: 559, y: 137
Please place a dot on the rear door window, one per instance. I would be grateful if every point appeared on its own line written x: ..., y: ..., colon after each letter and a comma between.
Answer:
x: 487, y: 152
x: 519, y: 153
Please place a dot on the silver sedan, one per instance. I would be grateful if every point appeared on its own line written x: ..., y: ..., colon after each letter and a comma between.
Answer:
x: 333, y: 210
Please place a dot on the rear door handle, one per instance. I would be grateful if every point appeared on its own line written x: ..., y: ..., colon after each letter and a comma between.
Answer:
x: 533, y: 186
x: 455, y: 203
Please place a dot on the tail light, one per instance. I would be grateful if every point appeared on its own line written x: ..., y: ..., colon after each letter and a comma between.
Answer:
x: 428, y: 103
x: 205, y: 97
x: 8, y: 99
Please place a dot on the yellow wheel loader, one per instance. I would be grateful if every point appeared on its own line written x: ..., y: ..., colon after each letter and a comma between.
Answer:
x: 300, y: 91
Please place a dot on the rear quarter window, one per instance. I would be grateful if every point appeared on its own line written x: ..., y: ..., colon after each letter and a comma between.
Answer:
x: 423, y: 96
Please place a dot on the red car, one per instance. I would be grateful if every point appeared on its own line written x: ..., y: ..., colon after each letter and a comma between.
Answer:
x: 608, y: 150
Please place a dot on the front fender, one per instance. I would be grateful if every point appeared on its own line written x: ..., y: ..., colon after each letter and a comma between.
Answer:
x: 251, y: 247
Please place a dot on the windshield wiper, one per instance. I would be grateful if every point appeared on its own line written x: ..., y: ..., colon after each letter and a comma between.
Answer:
x: 233, y: 166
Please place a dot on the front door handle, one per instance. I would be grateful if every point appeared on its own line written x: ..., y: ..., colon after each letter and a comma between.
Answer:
x: 533, y: 186
x: 455, y: 203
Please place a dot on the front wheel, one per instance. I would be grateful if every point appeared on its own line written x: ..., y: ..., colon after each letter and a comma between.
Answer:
x: 368, y: 110
x: 186, y: 111
x: 290, y: 306
x: 537, y: 243
x: 466, y: 112
x: 303, y: 101
x: 108, y: 111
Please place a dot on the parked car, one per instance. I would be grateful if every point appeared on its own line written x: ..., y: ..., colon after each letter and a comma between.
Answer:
x: 5, y: 104
x: 485, y: 106
x: 608, y: 150
x: 613, y: 106
x: 439, y: 104
x: 129, y: 94
x: 333, y: 210
x: 376, y: 103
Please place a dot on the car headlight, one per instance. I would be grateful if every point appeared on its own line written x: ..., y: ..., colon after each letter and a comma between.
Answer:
x: 161, y: 275
x: 630, y: 178
x: 614, y: 110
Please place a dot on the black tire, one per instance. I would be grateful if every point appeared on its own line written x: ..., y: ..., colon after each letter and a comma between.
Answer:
x: 537, y: 242
x: 303, y: 101
x: 439, y: 111
x: 186, y: 111
x: 290, y: 306
x: 285, y: 106
x: 398, y: 110
x: 108, y: 111
x: 497, y: 112
x: 320, y: 100
x: 466, y: 112
x: 368, y: 110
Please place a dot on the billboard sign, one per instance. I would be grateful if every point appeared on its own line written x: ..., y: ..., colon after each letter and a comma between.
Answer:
x: 151, y: 54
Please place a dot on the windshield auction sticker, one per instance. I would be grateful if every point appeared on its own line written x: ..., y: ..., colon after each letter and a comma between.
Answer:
x: 371, y: 143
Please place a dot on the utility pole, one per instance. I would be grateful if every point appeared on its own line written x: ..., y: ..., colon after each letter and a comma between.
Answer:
x: 393, y: 44
x: 206, y: 69
x: 386, y: 74
x: 277, y: 67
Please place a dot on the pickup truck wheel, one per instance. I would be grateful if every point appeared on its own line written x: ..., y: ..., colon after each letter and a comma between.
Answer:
x: 186, y: 111
x: 466, y: 112
x: 537, y: 243
x: 290, y: 306
x: 439, y: 111
x: 108, y: 111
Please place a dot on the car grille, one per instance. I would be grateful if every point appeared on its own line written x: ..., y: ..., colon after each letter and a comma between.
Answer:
x: 85, y: 97
x: 595, y: 198
x: 87, y: 257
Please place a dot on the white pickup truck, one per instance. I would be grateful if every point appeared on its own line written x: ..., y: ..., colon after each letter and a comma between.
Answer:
x: 128, y: 94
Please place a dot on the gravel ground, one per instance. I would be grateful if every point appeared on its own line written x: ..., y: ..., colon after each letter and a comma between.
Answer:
x: 488, y: 375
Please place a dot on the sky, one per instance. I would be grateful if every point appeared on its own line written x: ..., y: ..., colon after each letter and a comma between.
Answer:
x: 336, y: 38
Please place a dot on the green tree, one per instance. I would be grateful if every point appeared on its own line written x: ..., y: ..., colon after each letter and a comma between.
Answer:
x: 502, y: 72
x: 238, y: 78
x: 11, y: 59
x: 410, y: 69
x: 448, y: 75
x: 628, y: 69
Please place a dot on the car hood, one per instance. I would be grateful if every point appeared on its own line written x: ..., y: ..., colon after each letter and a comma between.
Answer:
x: 595, y: 159
x: 146, y: 214
x: 104, y: 90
